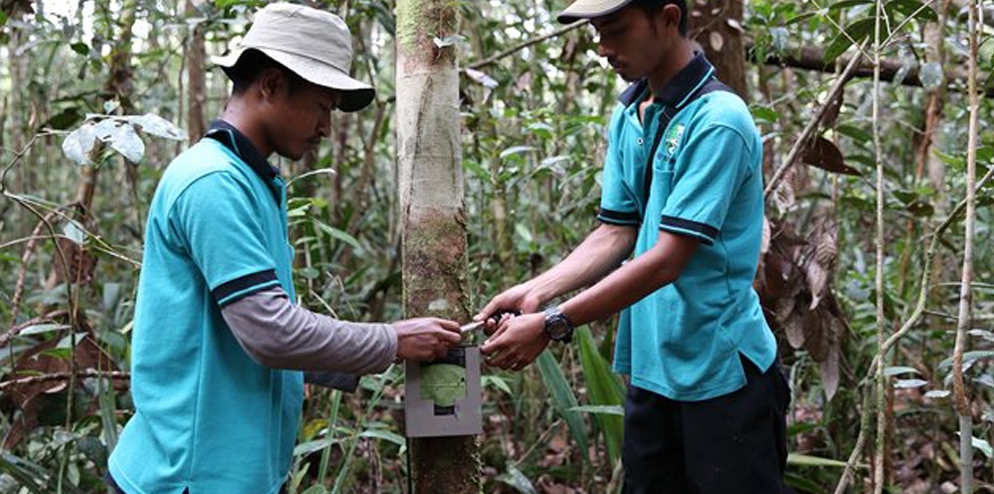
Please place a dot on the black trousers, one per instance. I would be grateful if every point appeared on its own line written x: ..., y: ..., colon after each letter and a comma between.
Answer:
x: 732, y: 444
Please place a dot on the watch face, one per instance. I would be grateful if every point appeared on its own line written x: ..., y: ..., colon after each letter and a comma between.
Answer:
x: 558, y: 328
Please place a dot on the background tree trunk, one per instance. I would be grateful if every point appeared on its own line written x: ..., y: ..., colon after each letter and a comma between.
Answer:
x: 432, y: 217
x: 717, y: 26
x: 196, y: 91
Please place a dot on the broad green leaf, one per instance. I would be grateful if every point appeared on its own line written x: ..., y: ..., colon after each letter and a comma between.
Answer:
x: 601, y: 409
x: 845, y: 4
x: 813, y: 461
x: 912, y: 8
x: 604, y: 388
x: 3, y: 18
x: 385, y: 435
x: 340, y: 235
x: 309, y: 447
x: 857, y: 31
x: 563, y: 399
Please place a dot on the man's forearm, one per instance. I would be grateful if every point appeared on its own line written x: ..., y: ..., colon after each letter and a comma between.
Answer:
x: 645, y: 274
x: 599, y: 254
x: 278, y: 334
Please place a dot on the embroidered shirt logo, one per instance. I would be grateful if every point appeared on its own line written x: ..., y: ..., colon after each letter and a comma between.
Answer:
x: 673, y: 138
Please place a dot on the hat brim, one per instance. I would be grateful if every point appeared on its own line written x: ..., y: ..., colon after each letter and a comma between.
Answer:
x: 589, y: 9
x: 356, y: 95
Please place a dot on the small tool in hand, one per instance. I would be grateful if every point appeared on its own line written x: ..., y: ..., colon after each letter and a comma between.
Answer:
x: 473, y: 326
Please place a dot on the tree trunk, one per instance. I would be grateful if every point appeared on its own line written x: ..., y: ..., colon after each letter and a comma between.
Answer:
x: 432, y: 214
x: 717, y: 26
x: 196, y: 91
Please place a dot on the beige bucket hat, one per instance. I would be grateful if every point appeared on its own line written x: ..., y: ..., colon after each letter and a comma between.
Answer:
x: 314, y: 44
x: 588, y: 9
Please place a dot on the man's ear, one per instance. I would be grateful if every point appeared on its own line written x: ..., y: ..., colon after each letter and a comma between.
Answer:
x: 269, y: 84
x: 669, y: 17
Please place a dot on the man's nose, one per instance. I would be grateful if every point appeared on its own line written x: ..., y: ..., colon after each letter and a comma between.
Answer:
x: 324, y: 125
x: 604, y: 51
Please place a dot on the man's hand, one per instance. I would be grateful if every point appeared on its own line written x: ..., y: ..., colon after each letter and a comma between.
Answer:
x: 517, y: 342
x: 517, y: 299
x: 425, y: 338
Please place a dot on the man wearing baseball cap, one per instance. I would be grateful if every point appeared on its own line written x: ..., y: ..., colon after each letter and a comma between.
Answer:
x: 218, y: 344
x: 683, y: 190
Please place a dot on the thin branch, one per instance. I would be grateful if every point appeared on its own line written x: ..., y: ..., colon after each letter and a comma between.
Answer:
x: 525, y: 44
x: 879, y: 471
x: 960, y: 397
x: 802, y: 141
x: 62, y: 376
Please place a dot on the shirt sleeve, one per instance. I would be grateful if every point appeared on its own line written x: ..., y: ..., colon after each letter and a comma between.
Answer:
x: 706, y: 177
x: 618, y: 203
x: 218, y: 219
x: 278, y: 334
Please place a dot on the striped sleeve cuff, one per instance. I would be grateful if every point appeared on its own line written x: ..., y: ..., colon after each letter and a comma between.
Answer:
x: 239, y: 288
x: 680, y: 226
x: 619, y: 217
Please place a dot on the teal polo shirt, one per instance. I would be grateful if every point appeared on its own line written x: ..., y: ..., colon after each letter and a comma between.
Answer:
x: 705, y: 180
x: 208, y: 419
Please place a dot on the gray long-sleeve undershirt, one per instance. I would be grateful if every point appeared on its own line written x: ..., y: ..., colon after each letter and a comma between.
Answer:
x: 278, y: 334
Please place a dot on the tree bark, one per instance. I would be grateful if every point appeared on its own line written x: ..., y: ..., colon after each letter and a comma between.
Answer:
x: 432, y: 214
x: 196, y: 91
x: 717, y: 26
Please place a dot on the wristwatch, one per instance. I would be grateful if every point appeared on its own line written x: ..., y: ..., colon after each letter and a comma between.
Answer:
x: 557, y: 325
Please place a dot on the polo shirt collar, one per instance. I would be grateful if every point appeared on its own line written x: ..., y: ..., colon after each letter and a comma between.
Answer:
x: 678, y: 89
x: 233, y: 139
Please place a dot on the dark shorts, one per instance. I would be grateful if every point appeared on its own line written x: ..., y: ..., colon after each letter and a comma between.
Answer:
x: 732, y: 444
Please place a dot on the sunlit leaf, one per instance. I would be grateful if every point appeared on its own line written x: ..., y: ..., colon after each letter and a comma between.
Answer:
x: 125, y: 140
x: 894, y: 371
x: 151, y: 123
x: 813, y: 461
x: 909, y: 383
x: 74, y: 232
x: 511, y: 151
x: 516, y: 479
x: 601, y: 409
x: 482, y: 78
x: 79, y: 143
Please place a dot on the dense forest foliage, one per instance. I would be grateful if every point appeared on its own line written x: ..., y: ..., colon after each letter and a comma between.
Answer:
x: 877, y: 272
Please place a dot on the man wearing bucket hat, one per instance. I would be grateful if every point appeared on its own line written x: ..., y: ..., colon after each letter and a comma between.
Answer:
x: 218, y: 345
x: 682, y: 188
